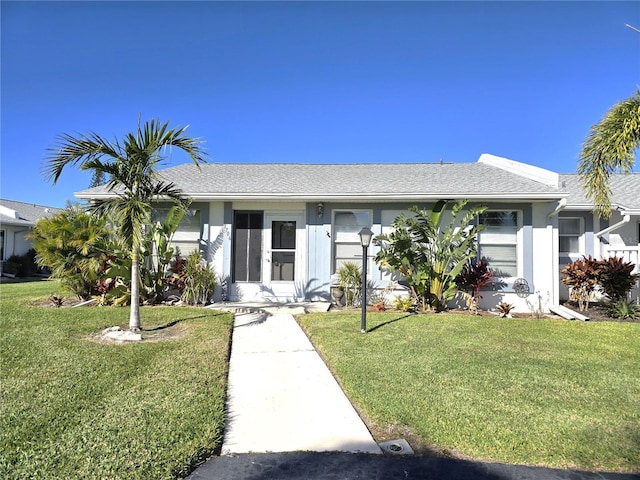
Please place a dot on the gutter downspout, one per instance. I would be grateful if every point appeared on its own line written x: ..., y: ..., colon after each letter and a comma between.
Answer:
x: 562, y: 204
x: 615, y: 226
x: 555, y: 258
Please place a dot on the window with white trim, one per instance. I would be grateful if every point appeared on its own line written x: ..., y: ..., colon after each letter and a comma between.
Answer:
x: 498, y: 242
x: 187, y: 236
x: 570, y: 231
x: 346, y: 241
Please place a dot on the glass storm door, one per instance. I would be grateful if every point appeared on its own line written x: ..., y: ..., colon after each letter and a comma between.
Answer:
x: 282, y: 254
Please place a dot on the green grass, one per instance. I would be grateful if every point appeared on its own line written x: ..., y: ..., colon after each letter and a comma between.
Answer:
x: 537, y: 392
x: 71, y: 407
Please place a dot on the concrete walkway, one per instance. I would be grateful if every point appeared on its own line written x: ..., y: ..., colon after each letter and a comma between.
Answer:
x: 281, y: 396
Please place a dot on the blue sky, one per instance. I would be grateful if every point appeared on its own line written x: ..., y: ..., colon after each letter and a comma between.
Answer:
x: 320, y: 82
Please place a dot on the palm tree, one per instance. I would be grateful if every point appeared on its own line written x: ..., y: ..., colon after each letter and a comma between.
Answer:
x: 610, y: 147
x: 132, y: 171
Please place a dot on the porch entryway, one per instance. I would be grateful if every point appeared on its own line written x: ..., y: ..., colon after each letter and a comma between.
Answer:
x: 269, y: 255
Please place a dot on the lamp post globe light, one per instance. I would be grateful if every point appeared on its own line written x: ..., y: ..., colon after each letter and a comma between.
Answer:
x: 365, y: 239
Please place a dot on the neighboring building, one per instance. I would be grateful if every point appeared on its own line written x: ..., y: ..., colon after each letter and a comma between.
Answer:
x: 16, y: 220
x: 280, y: 231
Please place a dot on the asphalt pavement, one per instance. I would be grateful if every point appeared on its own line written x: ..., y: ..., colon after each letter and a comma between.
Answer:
x: 360, y: 466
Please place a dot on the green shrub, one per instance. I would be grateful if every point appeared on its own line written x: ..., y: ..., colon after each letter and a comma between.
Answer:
x: 623, y: 308
x: 22, y: 265
x: 11, y: 265
x: 403, y: 303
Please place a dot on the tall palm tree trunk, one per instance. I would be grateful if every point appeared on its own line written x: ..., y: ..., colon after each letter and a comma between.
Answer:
x: 134, y: 312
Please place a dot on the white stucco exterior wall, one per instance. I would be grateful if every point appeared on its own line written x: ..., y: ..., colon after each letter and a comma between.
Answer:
x: 545, y: 253
x: 219, y: 242
x: 15, y: 242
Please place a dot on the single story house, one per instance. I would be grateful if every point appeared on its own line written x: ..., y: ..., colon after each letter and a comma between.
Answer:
x: 278, y: 232
x: 16, y: 220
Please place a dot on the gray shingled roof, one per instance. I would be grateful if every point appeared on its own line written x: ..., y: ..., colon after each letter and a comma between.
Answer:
x: 349, y: 182
x: 27, y: 213
x: 624, y: 187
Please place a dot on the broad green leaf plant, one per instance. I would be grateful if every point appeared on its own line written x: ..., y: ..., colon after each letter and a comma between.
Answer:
x: 157, y: 246
x: 429, y: 252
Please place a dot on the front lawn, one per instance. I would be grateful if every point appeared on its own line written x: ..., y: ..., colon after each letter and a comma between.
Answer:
x: 71, y: 407
x: 538, y: 392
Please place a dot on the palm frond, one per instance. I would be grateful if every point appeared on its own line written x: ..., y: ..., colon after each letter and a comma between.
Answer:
x: 69, y: 150
x: 609, y: 148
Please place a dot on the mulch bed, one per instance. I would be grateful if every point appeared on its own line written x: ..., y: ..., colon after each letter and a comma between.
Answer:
x: 597, y: 312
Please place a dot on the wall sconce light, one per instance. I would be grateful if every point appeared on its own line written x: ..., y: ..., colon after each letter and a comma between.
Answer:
x: 320, y: 210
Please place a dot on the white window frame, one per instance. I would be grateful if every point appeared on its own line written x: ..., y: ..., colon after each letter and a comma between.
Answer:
x: 580, y: 235
x: 355, y: 242
x: 187, y: 240
x: 519, y: 242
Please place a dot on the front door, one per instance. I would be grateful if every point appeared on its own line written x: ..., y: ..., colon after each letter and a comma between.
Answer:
x: 283, y: 256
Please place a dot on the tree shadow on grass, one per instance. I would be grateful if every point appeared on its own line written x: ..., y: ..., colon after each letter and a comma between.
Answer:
x: 173, y: 323
x: 388, y: 322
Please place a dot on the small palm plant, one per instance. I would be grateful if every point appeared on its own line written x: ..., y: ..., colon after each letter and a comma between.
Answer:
x: 199, y: 280
x: 72, y: 244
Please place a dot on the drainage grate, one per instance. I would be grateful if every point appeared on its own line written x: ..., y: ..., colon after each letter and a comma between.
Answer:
x: 396, y: 447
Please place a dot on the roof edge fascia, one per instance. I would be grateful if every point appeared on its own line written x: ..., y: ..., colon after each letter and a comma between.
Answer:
x: 620, y: 208
x: 17, y: 223
x: 341, y: 197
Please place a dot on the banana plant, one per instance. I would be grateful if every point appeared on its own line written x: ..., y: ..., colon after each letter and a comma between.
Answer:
x: 428, y: 253
x: 157, y: 246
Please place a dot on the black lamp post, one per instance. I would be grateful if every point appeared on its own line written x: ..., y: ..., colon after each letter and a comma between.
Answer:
x: 365, y: 240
